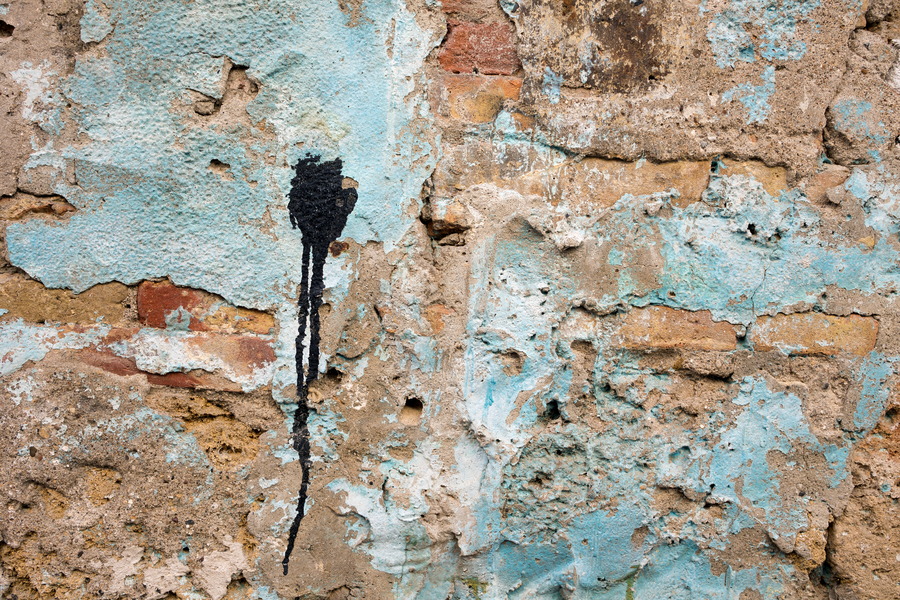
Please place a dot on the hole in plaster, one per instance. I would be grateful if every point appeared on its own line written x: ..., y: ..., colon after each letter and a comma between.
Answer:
x: 6, y: 30
x: 219, y: 167
x: 582, y: 347
x: 411, y: 413
x: 512, y: 363
x: 334, y: 374
x: 751, y: 229
x: 541, y: 479
x: 551, y: 413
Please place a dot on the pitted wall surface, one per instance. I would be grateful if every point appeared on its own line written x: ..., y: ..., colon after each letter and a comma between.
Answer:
x: 613, y: 314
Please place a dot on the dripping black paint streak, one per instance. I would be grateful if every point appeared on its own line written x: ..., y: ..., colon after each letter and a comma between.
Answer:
x: 320, y: 201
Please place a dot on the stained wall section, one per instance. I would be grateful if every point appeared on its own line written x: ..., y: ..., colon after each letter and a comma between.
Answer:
x: 614, y: 316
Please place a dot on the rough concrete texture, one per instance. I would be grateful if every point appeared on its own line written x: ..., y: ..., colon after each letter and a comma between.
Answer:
x: 616, y: 314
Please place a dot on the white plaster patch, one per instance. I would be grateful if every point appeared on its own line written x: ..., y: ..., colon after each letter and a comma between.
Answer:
x: 21, y: 342
x: 219, y: 567
x: 163, y: 352
x: 166, y: 578
x: 124, y: 568
x: 36, y: 82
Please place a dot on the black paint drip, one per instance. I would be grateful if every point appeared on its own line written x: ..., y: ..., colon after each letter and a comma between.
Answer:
x: 319, y: 204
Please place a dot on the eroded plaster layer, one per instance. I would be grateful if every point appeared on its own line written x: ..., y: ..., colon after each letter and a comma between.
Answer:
x: 612, y: 314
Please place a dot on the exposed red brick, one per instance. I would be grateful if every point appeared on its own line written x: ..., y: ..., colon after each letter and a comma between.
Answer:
x: 487, y: 48
x: 116, y: 365
x: 660, y: 327
x: 126, y: 367
x: 242, y: 353
x: 194, y: 380
x: 207, y: 312
x: 156, y: 300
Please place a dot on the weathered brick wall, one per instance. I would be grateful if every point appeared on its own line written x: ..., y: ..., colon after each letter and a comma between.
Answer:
x: 614, y: 314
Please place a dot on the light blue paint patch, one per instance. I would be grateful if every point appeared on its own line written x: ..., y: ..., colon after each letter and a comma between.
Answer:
x: 424, y: 356
x: 601, y: 543
x: 509, y: 7
x: 148, y: 200
x: 873, y: 374
x: 510, y: 318
x: 262, y: 592
x: 285, y: 453
x: 21, y: 342
x: 528, y: 570
x: 439, y: 580
x: 713, y: 260
x: 94, y: 25
x: 755, y: 98
x: 854, y: 117
x: 615, y: 257
x: 838, y: 459
x: 178, y: 319
x: 729, y: 39
x: 324, y: 432
x: 879, y: 197
x: 729, y: 29
x: 736, y: 471
x: 683, y: 572
x: 41, y: 104
x: 551, y: 84
x: 770, y: 422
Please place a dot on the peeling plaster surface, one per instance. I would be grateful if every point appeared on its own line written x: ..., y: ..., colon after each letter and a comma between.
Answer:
x: 617, y: 323
x: 143, y: 182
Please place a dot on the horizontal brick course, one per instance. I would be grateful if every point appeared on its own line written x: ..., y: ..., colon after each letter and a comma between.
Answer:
x: 162, y: 304
x: 30, y: 301
x: 815, y: 333
x: 243, y: 355
x: 660, y: 327
x: 477, y: 99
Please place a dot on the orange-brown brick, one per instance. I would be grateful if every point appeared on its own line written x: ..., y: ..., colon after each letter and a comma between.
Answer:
x: 486, y: 48
x: 585, y: 184
x: 815, y: 333
x: 660, y: 327
x: 208, y: 312
x: 29, y: 300
x: 22, y: 205
x: 477, y: 99
x: 773, y: 179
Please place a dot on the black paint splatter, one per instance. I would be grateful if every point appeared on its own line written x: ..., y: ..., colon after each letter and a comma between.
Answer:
x: 319, y: 203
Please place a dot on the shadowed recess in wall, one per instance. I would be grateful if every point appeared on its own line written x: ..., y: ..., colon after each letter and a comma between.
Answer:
x: 320, y: 201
